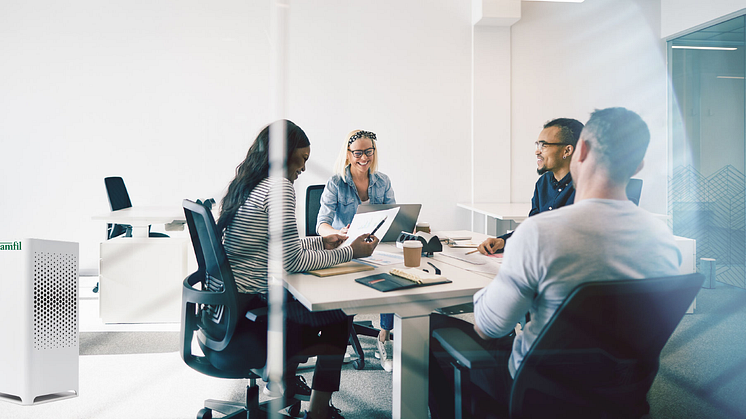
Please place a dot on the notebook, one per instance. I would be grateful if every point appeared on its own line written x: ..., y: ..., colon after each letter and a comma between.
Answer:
x: 398, y: 279
x: 341, y: 269
x: 406, y: 218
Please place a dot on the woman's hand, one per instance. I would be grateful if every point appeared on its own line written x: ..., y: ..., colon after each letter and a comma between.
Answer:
x: 327, y: 230
x: 333, y: 241
x: 362, y: 248
x: 491, y: 245
x: 344, y: 229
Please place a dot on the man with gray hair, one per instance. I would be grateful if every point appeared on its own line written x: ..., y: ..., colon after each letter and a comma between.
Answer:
x: 602, y: 236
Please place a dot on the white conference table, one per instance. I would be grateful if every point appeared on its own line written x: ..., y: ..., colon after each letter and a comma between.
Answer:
x: 504, y: 211
x: 412, y: 308
x: 140, y: 218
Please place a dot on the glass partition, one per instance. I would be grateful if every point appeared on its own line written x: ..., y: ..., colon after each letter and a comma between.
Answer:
x: 707, y: 145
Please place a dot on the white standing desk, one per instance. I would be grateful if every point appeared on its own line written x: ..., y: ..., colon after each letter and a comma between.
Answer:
x: 140, y: 218
x: 140, y: 277
x: 504, y: 211
x: 411, y: 323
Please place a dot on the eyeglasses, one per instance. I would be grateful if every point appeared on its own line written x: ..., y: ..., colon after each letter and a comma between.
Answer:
x: 359, y: 153
x: 360, y: 134
x: 541, y: 144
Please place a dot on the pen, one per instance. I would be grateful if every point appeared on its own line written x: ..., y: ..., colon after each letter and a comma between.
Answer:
x: 376, y: 229
x: 473, y: 251
x: 437, y: 271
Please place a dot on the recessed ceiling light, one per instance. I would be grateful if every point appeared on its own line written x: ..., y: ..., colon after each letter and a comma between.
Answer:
x: 708, y: 48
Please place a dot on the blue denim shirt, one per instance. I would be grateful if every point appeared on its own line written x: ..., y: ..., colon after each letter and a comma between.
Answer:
x: 340, y: 200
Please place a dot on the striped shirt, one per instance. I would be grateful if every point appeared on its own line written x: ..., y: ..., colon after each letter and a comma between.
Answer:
x: 246, y: 239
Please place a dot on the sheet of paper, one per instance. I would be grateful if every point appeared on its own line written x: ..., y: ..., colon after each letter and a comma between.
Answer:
x: 476, y: 262
x: 365, y: 223
x: 490, y: 269
x: 382, y: 258
x: 474, y: 259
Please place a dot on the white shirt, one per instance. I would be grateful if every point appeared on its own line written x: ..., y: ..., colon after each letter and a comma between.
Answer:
x: 553, y: 252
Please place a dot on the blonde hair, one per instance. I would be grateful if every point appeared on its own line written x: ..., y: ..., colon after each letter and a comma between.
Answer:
x: 343, y: 158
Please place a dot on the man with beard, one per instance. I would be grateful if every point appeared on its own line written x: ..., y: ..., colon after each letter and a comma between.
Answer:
x: 554, y: 189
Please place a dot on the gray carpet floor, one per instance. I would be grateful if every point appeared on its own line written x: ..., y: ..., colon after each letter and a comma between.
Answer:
x: 140, y: 373
x: 703, y: 365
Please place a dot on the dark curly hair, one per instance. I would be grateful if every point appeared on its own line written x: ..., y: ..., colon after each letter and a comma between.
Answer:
x: 255, y: 168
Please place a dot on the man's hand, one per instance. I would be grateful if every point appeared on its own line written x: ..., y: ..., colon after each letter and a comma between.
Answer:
x: 333, y: 241
x: 344, y: 229
x: 362, y: 248
x: 491, y: 245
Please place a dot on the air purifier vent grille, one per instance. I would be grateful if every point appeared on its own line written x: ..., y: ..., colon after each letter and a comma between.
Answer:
x: 55, y: 300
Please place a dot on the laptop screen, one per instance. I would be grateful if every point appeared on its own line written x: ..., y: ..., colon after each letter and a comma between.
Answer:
x: 406, y: 218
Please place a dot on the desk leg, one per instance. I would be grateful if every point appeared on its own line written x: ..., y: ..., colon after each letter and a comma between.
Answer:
x: 411, y: 356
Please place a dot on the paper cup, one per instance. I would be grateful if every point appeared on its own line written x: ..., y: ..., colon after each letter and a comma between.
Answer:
x: 422, y: 226
x: 412, y: 253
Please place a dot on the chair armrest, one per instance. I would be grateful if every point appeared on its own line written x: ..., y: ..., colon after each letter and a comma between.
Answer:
x: 257, y: 314
x: 192, y: 295
x: 465, y: 350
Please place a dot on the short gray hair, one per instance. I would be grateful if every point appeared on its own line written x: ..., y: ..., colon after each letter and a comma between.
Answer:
x: 620, y: 138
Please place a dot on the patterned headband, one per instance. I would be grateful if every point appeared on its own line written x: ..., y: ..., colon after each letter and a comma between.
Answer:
x: 360, y: 134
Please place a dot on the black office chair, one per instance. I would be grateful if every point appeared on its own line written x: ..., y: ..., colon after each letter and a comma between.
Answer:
x: 634, y: 189
x: 210, y: 313
x: 597, y: 356
x: 365, y: 328
x: 313, y: 205
x: 120, y: 199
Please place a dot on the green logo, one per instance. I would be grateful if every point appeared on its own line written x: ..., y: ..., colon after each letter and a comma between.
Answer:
x: 10, y: 245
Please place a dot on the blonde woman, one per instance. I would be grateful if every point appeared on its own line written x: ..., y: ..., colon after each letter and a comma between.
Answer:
x: 357, y: 182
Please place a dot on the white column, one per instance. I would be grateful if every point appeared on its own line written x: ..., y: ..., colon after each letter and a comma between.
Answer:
x: 278, y: 94
x: 411, y: 356
x: 491, y: 101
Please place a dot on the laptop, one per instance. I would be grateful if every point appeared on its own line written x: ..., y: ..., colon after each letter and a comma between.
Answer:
x: 406, y: 218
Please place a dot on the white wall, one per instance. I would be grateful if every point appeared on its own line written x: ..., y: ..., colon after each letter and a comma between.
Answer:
x: 399, y: 69
x: 682, y: 15
x: 170, y: 95
x: 569, y: 59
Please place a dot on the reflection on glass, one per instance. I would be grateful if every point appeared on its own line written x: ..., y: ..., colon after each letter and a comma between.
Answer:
x: 706, y: 183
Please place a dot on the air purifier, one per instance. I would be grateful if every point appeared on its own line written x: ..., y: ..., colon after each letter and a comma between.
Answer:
x: 39, y: 348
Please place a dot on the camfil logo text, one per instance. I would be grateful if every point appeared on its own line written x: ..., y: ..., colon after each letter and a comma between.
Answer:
x: 10, y: 245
